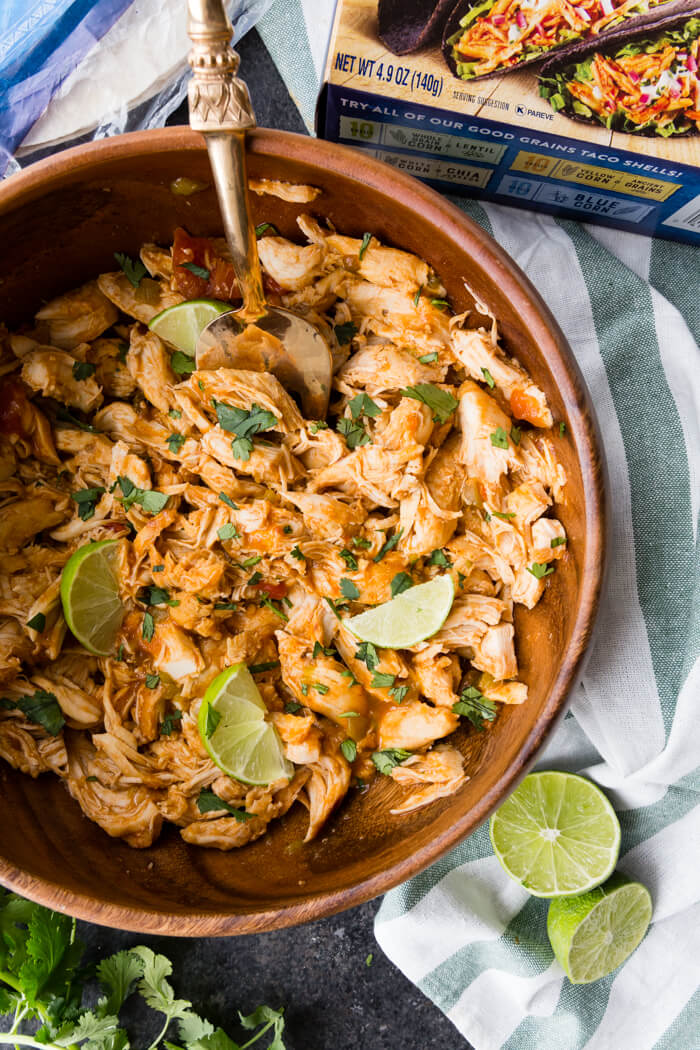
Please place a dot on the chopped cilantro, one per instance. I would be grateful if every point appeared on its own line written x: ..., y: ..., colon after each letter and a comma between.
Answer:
x: 474, y: 706
x: 288, y: 530
x: 416, y: 297
x: 244, y: 423
x: 388, y: 545
x: 382, y: 681
x: 562, y: 428
x: 250, y: 562
x: 366, y: 238
x: 349, y: 749
x: 323, y: 650
x: 440, y: 303
x: 428, y: 359
x: 261, y: 668
x: 386, y: 760
x: 304, y: 688
x: 499, y: 438
x: 539, y: 570
x: 334, y: 606
x: 170, y: 723
x: 368, y: 655
x: 175, y: 413
x: 175, y: 442
x: 296, y: 553
x: 255, y: 578
x: 363, y: 405
x: 345, y: 333
x: 43, y: 709
x: 349, y: 559
x: 133, y: 268
x: 225, y: 606
x: 488, y: 377
x: 515, y: 434
x: 401, y: 582
x: 149, y: 627
x: 557, y: 541
x: 320, y: 688
x: 504, y: 515
x: 264, y: 227
x: 65, y: 416
x: 398, y: 693
x: 319, y: 424
x: 360, y: 541
x: 38, y: 622
x: 83, y: 370
x: 348, y: 589
x: 228, y: 501
x: 440, y: 402
x: 157, y: 596
x: 149, y: 499
x: 291, y: 707
x: 208, y: 802
x: 152, y: 681
x: 182, y: 364
x: 228, y: 532
x: 438, y: 557
x: 351, y: 676
x: 87, y: 501
x: 212, y: 720
x: 354, y: 433
x: 266, y: 601
x: 198, y: 271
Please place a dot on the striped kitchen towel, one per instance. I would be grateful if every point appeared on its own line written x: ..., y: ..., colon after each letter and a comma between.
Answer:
x: 468, y: 936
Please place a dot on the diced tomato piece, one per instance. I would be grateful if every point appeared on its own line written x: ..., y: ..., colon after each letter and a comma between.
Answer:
x: 276, y: 591
x: 525, y: 406
x: 13, y: 407
x: 221, y: 282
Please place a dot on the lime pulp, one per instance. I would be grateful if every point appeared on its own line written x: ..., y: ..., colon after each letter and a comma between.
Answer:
x: 181, y: 325
x: 90, y: 596
x: 411, y: 617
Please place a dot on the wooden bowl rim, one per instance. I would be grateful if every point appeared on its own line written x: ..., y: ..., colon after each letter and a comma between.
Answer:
x: 479, y: 245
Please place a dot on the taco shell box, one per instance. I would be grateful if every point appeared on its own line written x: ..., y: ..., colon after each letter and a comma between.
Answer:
x: 588, y: 110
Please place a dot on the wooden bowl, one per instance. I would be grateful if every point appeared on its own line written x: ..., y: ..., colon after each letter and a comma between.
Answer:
x: 60, y: 222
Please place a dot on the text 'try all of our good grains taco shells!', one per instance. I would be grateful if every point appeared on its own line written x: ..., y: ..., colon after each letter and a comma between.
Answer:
x: 488, y: 37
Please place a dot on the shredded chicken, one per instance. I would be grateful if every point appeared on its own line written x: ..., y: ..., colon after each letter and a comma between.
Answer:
x: 247, y: 533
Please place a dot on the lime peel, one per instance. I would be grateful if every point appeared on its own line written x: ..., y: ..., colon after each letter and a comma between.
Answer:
x: 181, y: 325
x: 557, y: 834
x: 411, y: 617
x: 243, y: 744
x: 90, y: 596
x: 592, y: 934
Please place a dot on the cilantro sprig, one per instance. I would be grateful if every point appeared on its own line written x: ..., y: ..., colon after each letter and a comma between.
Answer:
x: 244, y: 423
x: 441, y: 402
x: 473, y: 705
x: 43, y: 991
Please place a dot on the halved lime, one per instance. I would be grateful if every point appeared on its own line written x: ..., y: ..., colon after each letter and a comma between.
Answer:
x: 181, y: 325
x: 234, y: 731
x: 409, y: 618
x: 594, y: 933
x: 90, y: 596
x: 557, y: 834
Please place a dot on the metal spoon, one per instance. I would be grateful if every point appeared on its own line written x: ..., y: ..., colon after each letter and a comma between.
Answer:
x: 257, y: 336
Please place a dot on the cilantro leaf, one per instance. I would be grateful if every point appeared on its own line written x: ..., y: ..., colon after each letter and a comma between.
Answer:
x: 148, y: 628
x: 348, y: 589
x: 291, y: 707
x: 440, y: 402
x: 87, y: 501
x: 504, y: 515
x: 65, y: 416
x: 133, y: 268
x: 323, y: 650
x: 170, y: 723
x: 388, y: 545
x: 208, y: 802
x: 264, y: 227
x: 360, y: 541
x: 153, y: 595
x: 43, y: 709
x: 228, y: 501
x: 427, y: 359
x: 363, y: 405
x: 416, y: 297
x: 175, y: 442
x: 38, y: 622
x: 151, y: 500
x: 318, y: 424
x: 349, y: 559
x: 198, y: 271
x: 366, y: 238
x: 380, y: 680
x: 83, y: 370
x: 515, y: 434
x: 260, y: 668
x: 474, y: 706
x: 367, y: 653
x: 156, y: 989
x: 499, y: 438
x: 96, y: 1033
x: 562, y: 428
x: 488, y: 377
x: 296, y: 553
x: 354, y: 433
x: 556, y: 542
x: 345, y: 333
x: 540, y: 570
x: 320, y: 688
x: 386, y: 760
x: 182, y: 364
x: 228, y: 532
x: 400, y: 583
x: 152, y: 681
x: 439, y: 303
x: 349, y: 749
x: 244, y: 424
x: 118, y: 974
x: 398, y: 693
x: 438, y: 557
x: 212, y: 721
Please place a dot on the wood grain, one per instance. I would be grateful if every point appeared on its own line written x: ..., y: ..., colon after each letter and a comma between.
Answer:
x: 60, y: 222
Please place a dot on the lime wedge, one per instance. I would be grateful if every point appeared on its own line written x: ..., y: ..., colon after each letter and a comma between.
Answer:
x: 593, y: 934
x: 409, y: 618
x: 234, y: 731
x: 182, y: 325
x: 90, y: 596
x: 557, y: 834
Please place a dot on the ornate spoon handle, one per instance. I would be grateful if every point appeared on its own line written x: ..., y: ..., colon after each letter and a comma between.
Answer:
x: 220, y: 108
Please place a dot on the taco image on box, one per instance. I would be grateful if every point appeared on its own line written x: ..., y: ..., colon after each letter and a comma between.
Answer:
x: 486, y: 37
x: 407, y: 25
x: 644, y: 83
